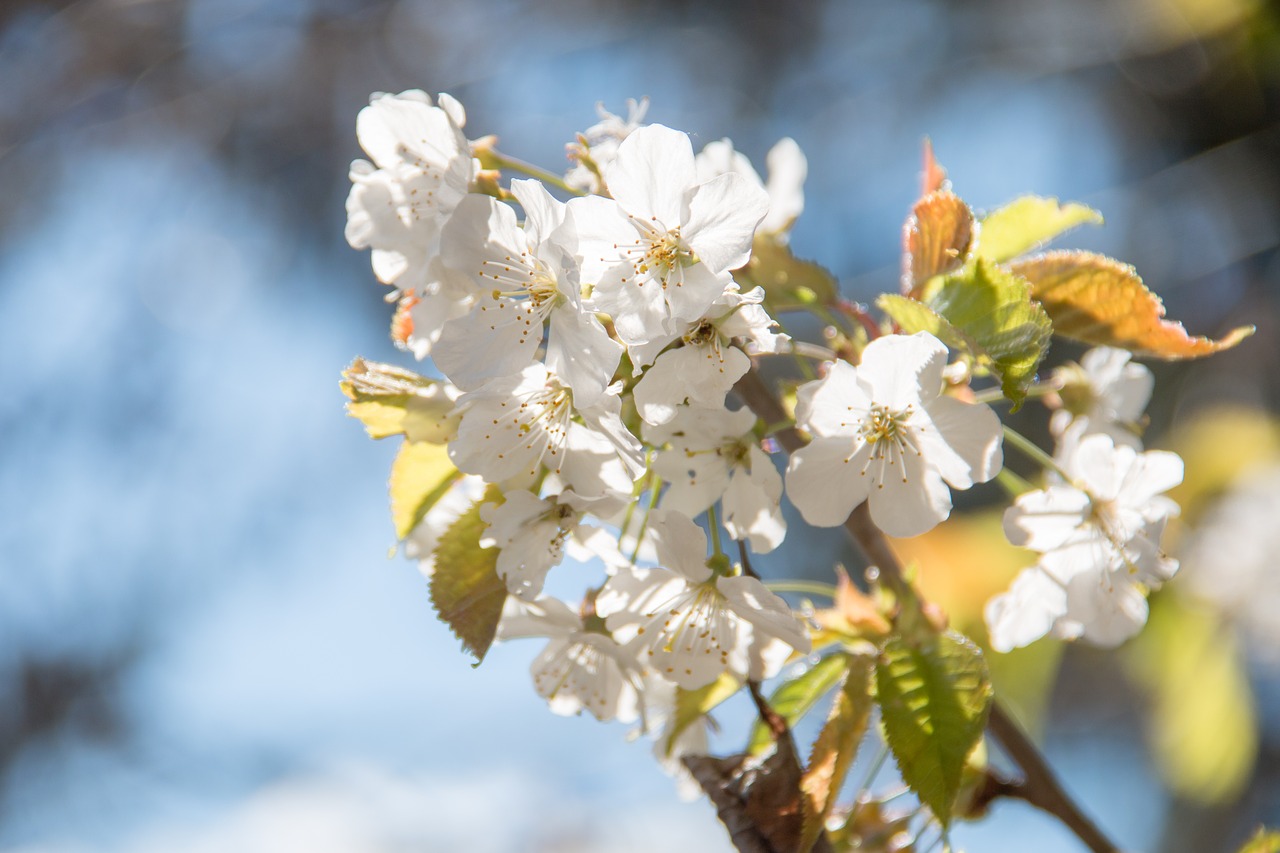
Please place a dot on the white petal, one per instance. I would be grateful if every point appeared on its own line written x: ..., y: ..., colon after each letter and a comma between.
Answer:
x: 723, y: 215
x: 580, y: 351
x: 788, y: 169
x: 543, y: 212
x: 768, y: 614
x: 649, y: 176
x: 692, y: 289
x: 834, y: 404
x: 964, y: 443
x: 908, y: 497
x: 1109, y: 610
x: 694, y: 481
x: 495, y: 338
x: 702, y: 375
x: 596, y: 226
x: 1026, y: 612
x: 751, y: 505
x: 681, y: 545
x: 902, y: 370
x: 825, y: 482
x: 1046, y: 518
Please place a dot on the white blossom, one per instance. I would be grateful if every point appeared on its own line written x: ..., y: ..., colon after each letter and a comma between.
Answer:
x: 1099, y: 541
x: 660, y: 251
x: 883, y: 433
x: 715, y: 456
x: 788, y: 169
x: 601, y: 145
x: 1105, y: 393
x: 523, y: 278
x: 579, y: 668
x: 691, y: 624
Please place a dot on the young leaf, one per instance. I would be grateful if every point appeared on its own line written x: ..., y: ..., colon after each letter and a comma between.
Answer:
x: 933, y: 699
x: 836, y: 746
x: 1027, y: 222
x: 789, y: 283
x: 986, y: 313
x: 694, y: 704
x: 1098, y: 300
x: 466, y: 591
x: 935, y: 239
x: 797, y: 697
x: 420, y: 476
x: 1262, y: 841
x: 390, y: 400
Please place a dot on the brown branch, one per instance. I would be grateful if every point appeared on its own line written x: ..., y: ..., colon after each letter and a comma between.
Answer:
x: 1040, y: 787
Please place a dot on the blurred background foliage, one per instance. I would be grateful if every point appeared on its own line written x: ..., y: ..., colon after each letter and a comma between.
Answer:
x: 200, y: 645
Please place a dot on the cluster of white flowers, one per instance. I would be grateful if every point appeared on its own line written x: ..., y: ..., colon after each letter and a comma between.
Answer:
x: 1097, y: 528
x: 588, y: 348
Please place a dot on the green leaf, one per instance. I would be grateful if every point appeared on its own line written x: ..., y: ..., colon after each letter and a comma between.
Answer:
x: 797, y: 697
x: 1204, y: 731
x: 1098, y: 300
x: 420, y: 475
x: 466, y: 591
x: 933, y: 699
x: 692, y: 705
x: 789, y: 283
x: 1263, y: 841
x: 935, y: 240
x: 390, y: 400
x: 986, y: 313
x: 835, y: 748
x: 1027, y: 222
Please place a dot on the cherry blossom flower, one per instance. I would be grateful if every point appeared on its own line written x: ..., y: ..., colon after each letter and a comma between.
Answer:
x: 883, y: 433
x: 692, y: 624
x: 715, y: 456
x: 1099, y: 541
x: 513, y: 425
x: 706, y: 365
x: 598, y: 145
x: 580, y: 667
x: 523, y: 278
x: 788, y: 169
x: 1105, y: 393
x: 660, y: 252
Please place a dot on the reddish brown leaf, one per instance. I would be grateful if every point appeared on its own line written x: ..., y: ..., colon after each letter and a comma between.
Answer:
x: 1098, y: 300
x: 935, y: 239
x: 933, y: 176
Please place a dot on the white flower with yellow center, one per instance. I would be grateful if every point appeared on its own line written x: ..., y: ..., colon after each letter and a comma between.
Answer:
x: 1099, y: 541
x: 513, y: 426
x: 660, y: 251
x: 1107, y: 393
x: 883, y: 433
x: 524, y: 279
x: 581, y: 667
x: 691, y: 624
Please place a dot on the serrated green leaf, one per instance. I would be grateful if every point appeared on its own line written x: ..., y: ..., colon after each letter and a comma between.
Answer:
x: 933, y: 701
x: 390, y: 400
x: 988, y: 314
x: 420, y: 475
x: 1263, y: 841
x: 466, y: 592
x: 1099, y: 300
x: 789, y: 283
x: 692, y: 705
x: 1028, y: 222
x: 1204, y: 731
x: 835, y: 748
x: 797, y: 697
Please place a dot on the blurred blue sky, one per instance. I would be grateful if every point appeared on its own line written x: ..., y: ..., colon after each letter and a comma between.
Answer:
x: 195, y: 535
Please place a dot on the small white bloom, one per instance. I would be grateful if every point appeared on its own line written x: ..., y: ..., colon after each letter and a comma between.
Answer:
x: 602, y: 140
x: 660, y: 252
x: 882, y: 432
x: 788, y: 169
x: 1105, y: 393
x: 580, y: 668
x: 523, y: 279
x: 1099, y: 541
x: 513, y: 425
x: 422, y: 167
x: 691, y: 624
x: 715, y: 456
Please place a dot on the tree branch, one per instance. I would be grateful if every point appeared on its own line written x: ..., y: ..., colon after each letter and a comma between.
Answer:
x: 1040, y: 787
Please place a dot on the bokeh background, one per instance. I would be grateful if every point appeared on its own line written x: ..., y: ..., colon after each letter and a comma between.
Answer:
x: 203, y: 645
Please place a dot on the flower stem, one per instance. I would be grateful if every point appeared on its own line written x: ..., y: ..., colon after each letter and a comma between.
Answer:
x: 503, y: 161
x: 713, y: 524
x: 1033, y: 452
x: 655, y: 484
x: 996, y: 395
x: 826, y: 590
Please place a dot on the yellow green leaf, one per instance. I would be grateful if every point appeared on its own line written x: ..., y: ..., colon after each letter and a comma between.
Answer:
x: 692, y: 705
x: 933, y: 700
x: 835, y: 748
x: 420, y: 476
x: 466, y: 592
x: 789, y: 283
x: 1263, y: 841
x: 1204, y: 729
x: 1028, y: 222
x: 795, y: 698
x: 986, y: 313
x: 1098, y: 300
x: 390, y: 400
x: 935, y: 239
